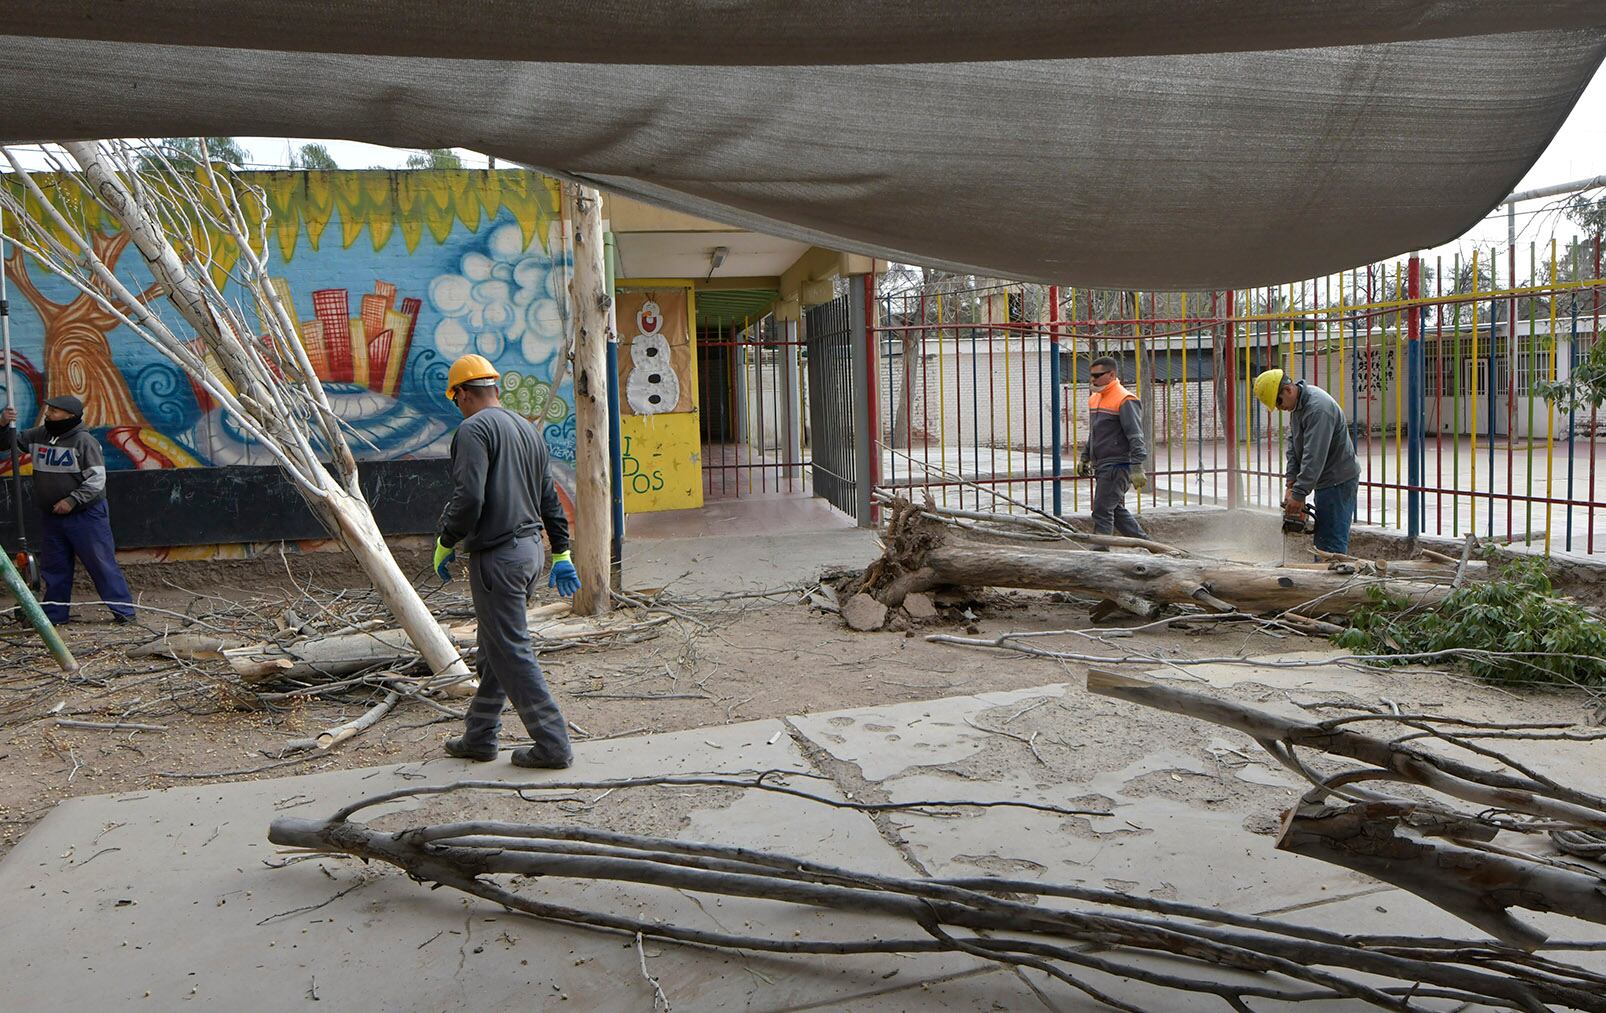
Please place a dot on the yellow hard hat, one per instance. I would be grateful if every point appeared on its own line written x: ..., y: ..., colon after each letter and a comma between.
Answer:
x: 1266, y: 386
x: 469, y: 367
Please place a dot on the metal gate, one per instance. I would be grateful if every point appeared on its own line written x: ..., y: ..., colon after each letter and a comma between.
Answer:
x: 837, y: 350
x: 751, y: 410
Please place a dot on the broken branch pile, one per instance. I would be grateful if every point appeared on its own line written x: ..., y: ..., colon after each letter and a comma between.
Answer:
x: 279, y: 650
x: 1020, y: 923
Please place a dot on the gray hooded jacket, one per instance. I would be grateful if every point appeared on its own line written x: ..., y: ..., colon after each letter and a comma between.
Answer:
x: 70, y: 466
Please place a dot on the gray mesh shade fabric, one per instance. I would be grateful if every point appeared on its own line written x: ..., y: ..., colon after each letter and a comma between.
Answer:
x: 1211, y: 168
x: 798, y: 32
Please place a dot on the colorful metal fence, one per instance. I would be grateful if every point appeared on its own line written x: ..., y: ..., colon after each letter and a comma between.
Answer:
x: 1438, y: 364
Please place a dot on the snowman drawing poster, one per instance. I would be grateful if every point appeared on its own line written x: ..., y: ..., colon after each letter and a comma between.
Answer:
x: 655, y: 352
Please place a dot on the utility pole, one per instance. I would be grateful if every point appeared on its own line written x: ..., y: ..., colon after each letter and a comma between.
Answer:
x: 591, y: 303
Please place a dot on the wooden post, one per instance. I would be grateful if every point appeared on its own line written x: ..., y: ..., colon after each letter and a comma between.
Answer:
x: 591, y: 303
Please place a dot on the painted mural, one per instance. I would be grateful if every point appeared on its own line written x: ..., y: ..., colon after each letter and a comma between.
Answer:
x: 390, y: 276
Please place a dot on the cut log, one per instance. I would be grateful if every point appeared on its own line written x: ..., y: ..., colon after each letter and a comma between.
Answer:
x: 1247, y: 588
x: 322, y: 657
x: 551, y: 628
x: 922, y: 552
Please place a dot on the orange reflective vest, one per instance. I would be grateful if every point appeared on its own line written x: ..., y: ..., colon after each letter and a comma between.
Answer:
x: 1112, y: 438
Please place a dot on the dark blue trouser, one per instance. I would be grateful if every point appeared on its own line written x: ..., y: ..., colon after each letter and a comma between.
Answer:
x: 85, y: 535
x: 501, y: 579
x: 1335, y: 509
x: 1110, y: 515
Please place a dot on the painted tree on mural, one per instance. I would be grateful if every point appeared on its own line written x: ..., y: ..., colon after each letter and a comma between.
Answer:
x: 78, y: 358
x: 256, y: 367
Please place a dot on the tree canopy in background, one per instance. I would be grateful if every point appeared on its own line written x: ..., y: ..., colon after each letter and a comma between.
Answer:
x: 313, y: 156
x: 434, y: 158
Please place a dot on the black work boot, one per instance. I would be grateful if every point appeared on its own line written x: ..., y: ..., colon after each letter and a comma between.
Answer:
x: 463, y: 750
x: 526, y: 756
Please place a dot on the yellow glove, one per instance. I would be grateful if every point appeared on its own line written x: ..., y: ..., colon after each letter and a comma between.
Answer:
x: 1084, y: 467
x: 1139, y: 478
x: 443, y: 558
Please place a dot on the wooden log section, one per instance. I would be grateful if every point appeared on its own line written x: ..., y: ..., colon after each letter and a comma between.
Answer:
x: 1221, y: 585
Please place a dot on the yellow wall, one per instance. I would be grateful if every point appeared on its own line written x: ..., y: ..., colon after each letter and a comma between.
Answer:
x: 663, y: 462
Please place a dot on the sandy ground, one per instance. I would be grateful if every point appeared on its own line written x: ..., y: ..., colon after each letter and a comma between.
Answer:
x: 747, y: 660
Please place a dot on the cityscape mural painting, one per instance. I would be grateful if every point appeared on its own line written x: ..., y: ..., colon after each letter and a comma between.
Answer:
x: 454, y: 261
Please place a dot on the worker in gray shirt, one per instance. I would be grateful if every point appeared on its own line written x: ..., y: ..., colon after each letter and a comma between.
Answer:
x: 1321, y: 457
x: 1114, y: 452
x: 502, y: 498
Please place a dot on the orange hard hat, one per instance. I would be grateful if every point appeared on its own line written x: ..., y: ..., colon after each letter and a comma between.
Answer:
x: 468, y: 369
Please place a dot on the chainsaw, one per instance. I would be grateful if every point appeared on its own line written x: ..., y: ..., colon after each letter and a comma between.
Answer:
x: 1302, y: 523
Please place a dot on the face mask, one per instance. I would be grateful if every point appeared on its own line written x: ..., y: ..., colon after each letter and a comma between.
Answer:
x: 61, y: 427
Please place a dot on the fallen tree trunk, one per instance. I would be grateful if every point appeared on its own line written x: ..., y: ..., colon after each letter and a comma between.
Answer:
x: 1477, y: 886
x: 1244, y: 587
x: 923, y: 553
x: 345, y: 654
x: 1426, y: 846
x: 1445, y: 774
x: 551, y: 628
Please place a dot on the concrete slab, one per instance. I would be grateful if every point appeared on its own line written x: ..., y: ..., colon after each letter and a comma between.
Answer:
x: 744, y: 563
x: 165, y: 897
x: 1185, y: 798
x: 761, y: 515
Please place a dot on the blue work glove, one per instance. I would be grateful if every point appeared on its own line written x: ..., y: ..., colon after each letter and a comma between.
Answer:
x: 443, y: 558
x: 564, y: 576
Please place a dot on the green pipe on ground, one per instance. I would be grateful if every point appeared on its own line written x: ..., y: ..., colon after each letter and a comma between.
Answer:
x: 36, y: 615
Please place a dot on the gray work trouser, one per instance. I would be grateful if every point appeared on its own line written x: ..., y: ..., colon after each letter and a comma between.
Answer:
x: 501, y: 580
x: 1110, y: 514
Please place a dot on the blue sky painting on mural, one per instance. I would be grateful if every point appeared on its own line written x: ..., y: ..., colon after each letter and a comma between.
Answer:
x: 470, y: 285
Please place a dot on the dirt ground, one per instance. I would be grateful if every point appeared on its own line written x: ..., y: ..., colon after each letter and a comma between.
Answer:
x: 736, y: 661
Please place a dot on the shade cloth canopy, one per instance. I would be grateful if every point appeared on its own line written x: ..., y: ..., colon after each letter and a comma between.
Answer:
x: 1145, y: 143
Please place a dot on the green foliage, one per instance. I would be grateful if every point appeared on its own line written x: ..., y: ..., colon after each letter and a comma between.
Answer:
x: 1585, y: 388
x: 434, y: 158
x: 1589, y: 215
x: 1515, y: 612
x: 313, y: 156
x: 185, y: 152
